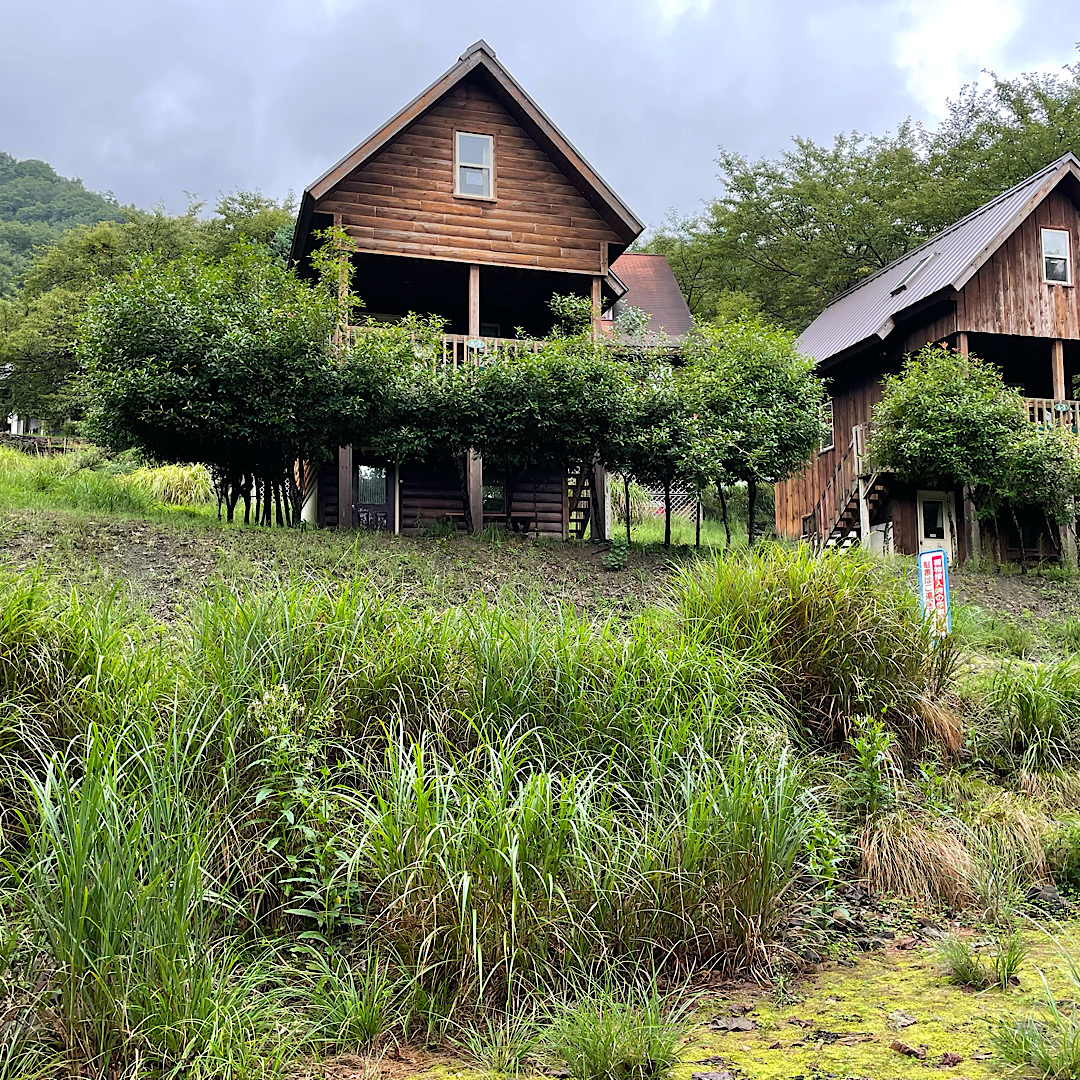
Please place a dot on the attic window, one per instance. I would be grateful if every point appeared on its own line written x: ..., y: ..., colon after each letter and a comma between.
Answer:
x: 910, y: 275
x: 473, y: 157
x: 1057, y: 263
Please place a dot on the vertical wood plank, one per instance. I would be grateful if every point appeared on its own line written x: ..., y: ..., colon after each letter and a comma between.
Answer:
x: 345, y: 503
x: 597, y: 283
x: 1057, y: 364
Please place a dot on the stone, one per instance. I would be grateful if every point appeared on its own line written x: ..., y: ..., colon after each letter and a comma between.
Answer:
x: 1047, y: 898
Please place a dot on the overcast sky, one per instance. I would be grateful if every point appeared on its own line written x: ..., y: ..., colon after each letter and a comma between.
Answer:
x: 154, y: 98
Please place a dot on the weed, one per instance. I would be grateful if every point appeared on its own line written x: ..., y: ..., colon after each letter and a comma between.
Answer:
x: 617, y: 556
x: 963, y: 965
x: 350, y: 1006
x: 602, y: 1037
x: 503, y: 1046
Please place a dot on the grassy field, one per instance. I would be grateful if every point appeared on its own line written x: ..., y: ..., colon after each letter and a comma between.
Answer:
x: 281, y: 804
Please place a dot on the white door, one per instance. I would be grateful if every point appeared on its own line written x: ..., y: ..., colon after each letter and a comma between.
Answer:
x: 936, y: 517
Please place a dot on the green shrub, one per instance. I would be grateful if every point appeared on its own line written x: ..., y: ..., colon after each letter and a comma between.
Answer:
x: 604, y: 1038
x: 502, y: 1046
x: 837, y: 633
x: 351, y: 1006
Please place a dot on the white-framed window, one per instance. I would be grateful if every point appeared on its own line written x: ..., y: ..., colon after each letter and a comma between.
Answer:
x: 828, y: 436
x: 474, y: 171
x: 1056, y: 257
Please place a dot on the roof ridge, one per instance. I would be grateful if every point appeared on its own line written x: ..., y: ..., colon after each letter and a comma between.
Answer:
x: 977, y: 212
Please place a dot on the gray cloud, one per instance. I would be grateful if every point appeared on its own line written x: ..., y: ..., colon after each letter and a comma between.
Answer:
x: 150, y: 100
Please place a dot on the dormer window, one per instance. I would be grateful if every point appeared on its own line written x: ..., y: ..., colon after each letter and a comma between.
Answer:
x: 473, y: 165
x: 1057, y: 257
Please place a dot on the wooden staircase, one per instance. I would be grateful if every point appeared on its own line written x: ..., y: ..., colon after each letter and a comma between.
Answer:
x: 836, y: 520
x: 579, y: 502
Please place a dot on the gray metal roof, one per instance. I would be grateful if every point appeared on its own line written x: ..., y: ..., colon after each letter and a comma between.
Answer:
x: 951, y: 258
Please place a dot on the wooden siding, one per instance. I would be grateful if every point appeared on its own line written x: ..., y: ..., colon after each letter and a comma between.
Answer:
x: 427, y: 494
x: 852, y: 404
x: 542, y: 496
x: 1008, y: 294
x: 936, y: 329
x: 326, y: 511
x: 402, y: 202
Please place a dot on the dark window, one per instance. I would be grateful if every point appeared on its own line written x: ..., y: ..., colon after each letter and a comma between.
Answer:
x: 933, y: 516
x: 372, y: 485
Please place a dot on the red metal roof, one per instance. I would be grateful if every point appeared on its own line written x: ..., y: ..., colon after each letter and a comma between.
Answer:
x: 651, y: 286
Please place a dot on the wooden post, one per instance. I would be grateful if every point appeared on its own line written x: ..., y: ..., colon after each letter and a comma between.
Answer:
x: 972, y: 530
x: 597, y: 284
x: 344, y: 489
x: 473, y: 463
x: 1057, y: 365
x: 864, y: 513
x: 962, y: 343
x: 474, y: 300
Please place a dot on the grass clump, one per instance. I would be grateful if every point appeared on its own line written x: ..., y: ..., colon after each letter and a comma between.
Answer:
x: 604, y: 1037
x: 964, y: 966
x: 837, y: 633
x: 174, y: 485
x: 504, y: 1045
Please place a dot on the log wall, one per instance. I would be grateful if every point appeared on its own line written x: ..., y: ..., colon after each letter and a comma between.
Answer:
x: 402, y: 201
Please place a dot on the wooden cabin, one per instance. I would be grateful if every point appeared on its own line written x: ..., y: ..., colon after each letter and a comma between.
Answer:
x: 1001, y: 283
x: 471, y: 205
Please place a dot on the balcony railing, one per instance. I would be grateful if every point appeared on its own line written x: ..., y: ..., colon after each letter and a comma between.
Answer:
x: 1051, y: 413
x: 459, y: 350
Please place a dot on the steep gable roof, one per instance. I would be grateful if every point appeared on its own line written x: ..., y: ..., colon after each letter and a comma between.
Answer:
x: 480, y: 58
x: 651, y: 286
x: 949, y: 260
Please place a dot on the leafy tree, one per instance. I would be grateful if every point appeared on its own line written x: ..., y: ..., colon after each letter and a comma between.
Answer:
x: 36, y: 206
x: 756, y: 405
x: 791, y: 232
x: 226, y: 363
x: 564, y: 407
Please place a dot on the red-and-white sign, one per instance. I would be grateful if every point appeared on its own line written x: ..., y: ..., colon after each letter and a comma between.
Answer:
x: 934, y: 589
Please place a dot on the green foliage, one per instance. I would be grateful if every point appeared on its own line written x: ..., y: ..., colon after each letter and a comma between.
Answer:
x: 618, y: 554
x: 842, y: 636
x: 352, y: 1006
x: 174, y: 485
x: 224, y: 363
x: 756, y: 406
x: 948, y: 421
x: 791, y: 232
x: 36, y: 205
x: 503, y: 1046
x: 573, y: 314
x: 872, y: 778
x: 604, y: 1038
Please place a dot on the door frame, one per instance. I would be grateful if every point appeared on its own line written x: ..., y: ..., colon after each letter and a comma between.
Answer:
x: 948, y: 499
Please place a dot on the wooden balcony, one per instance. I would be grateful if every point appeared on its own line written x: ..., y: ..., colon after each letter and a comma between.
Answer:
x: 1052, y: 413
x: 459, y: 350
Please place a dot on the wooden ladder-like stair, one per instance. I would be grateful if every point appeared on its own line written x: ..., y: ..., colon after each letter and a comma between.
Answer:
x: 846, y: 531
x: 579, y: 498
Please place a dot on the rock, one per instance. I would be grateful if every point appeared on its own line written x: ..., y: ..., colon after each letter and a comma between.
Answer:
x: 886, y: 935
x: 908, y: 1051
x: 1047, y: 898
x: 810, y: 956
x: 949, y: 1058
x: 731, y: 1023
x: 929, y: 924
x: 901, y: 1020
x: 722, y: 1074
x: 932, y: 933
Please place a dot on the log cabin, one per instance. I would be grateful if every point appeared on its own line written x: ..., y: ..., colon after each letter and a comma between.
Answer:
x: 1000, y: 284
x: 471, y: 205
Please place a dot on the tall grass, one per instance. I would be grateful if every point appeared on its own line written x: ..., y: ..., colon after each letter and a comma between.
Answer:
x: 839, y: 635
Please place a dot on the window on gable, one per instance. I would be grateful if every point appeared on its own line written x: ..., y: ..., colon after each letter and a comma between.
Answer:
x: 473, y: 165
x: 1056, y: 256
x: 828, y: 432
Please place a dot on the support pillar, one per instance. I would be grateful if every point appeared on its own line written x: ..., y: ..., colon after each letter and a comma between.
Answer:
x: 474, y: 465
x: 344, y: 490
x: 864, y: 513
x: 973, y: 534
x: 1057, y: 366
x: 600, y: 518
x: 962, y: 343
x: 597, y: 285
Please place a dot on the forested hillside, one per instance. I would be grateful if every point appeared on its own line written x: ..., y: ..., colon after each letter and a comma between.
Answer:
x: 789, y: 233
x: 36, y: 206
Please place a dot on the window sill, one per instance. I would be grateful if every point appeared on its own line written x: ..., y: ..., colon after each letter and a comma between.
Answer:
x: 826, y: 449
x: 475, y: 198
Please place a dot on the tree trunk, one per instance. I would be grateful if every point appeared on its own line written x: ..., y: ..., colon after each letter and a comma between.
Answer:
x: 245, y: 491
x: 1020, y: 538
x: 697, y: 524
x: 626, y: 505
x: 751, y: 510
x: 461, y: 461
x: 723, y: 514
x: 667, y: 515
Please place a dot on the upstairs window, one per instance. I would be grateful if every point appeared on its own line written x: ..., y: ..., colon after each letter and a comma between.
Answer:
x: 1056, y: 256
x: 828, y: 427
x: 473, y: 172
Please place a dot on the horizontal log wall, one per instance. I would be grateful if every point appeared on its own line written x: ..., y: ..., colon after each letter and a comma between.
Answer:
x: 402, y: 202
x: 427, y: 494
x: 542, y: 496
